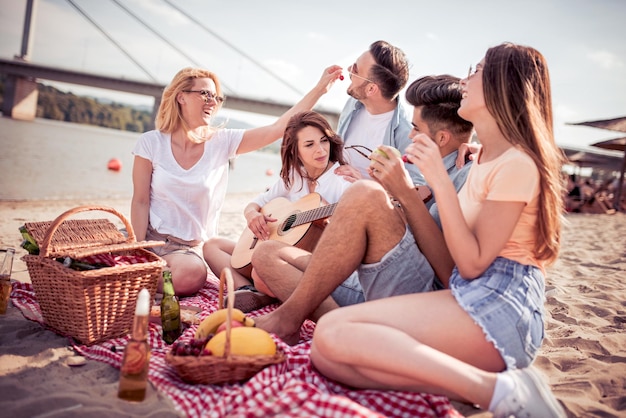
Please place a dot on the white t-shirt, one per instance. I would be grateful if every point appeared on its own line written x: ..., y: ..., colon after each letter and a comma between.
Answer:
x: 367, y: 130
x: 330, y: 186
x: 187, y: 203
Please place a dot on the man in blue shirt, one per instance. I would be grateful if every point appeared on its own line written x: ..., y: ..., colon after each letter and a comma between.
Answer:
x: 373, y: 115
x: 382, y: 239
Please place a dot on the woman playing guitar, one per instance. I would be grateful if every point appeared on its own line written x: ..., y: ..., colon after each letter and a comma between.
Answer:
x: 310, y: 153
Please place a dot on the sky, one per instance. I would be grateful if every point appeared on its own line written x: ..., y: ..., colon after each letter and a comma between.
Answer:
x: 243, y: 41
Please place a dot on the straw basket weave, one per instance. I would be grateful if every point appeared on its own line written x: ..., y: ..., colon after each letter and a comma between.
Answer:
x: 93, y: 305
x: 210, y: 369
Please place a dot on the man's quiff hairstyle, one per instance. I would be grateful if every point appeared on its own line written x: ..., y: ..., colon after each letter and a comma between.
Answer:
x: 440, y: 98
x: 391, y: 69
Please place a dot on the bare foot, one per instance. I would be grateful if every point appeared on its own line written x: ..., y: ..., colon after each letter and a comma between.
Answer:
x: 286, y: 330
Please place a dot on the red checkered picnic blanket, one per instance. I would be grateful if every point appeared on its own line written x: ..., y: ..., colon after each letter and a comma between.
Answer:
x: 292, y: 388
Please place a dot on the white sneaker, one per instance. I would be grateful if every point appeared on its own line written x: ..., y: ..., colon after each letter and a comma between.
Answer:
x: 531, y: 397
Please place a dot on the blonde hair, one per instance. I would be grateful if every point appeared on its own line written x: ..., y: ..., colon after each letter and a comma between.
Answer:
x: 517, y: 93
x: 169, y: 117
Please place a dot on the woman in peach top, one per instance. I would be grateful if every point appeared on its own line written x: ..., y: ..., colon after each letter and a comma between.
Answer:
x: 475, y: 341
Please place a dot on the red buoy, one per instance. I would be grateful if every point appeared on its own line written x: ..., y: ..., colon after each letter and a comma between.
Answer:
x: 114, y: 164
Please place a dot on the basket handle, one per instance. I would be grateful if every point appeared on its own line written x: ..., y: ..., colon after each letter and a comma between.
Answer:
x: 57, y: 222
x: 226, y: 279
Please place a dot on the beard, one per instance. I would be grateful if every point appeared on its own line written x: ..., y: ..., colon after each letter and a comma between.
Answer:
x: 357, y: 92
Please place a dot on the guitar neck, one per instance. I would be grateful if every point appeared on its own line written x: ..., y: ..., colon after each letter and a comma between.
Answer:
x: 313, y: 215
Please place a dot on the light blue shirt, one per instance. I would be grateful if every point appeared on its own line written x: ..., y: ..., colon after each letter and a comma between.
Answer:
x: 458, y: 177
x: 396, y: 135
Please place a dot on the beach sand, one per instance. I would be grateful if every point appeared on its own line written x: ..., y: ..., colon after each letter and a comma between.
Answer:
x: 582, y: 355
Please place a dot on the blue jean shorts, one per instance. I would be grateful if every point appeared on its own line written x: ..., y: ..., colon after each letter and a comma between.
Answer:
x: 507, y: 302
x: 402, y: 270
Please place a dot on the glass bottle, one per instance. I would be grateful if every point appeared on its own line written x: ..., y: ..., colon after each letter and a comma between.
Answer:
x: 6, y: 266
x: 134, y: 370
x: 170, y: 310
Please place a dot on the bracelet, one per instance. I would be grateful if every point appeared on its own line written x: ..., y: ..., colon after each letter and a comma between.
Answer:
x: 430, y: 193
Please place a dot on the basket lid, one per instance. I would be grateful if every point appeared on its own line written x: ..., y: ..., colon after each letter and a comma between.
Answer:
x: 79, y: 238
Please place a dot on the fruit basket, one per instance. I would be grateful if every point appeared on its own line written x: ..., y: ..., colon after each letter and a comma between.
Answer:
x: 229, y: 368
x: 90, y: 305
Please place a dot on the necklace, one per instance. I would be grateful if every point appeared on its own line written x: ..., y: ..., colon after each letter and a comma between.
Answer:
x: 313, y: 180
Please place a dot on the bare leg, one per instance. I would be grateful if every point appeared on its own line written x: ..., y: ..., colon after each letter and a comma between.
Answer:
x: 188, y: 273
x: 260, y: 284
x: 420, y: 342
x: 217, y: 253
x: 364, y: 227
x: 284, y: 265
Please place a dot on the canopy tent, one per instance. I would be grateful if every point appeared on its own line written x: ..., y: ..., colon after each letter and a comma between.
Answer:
x: 619, y: 125
x: 618, y: 144
x: 616, y: 124
x: 590, y: 158
x: 615, y: 144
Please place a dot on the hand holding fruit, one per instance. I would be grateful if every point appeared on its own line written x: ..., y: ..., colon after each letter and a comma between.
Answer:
x: 426, y: 155
x: 380, y: 157
x: 383, y: 152
x: 388, y: 169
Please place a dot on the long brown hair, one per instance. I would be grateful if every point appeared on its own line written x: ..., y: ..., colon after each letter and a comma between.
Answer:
x: 517, y: 93
x: 169, y: 117
x: 289, y: 148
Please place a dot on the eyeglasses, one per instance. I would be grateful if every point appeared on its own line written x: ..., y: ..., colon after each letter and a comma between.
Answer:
x: 356, y: 148
x: 207, y: 95
x: 356, y: 75
x: 472, y: 70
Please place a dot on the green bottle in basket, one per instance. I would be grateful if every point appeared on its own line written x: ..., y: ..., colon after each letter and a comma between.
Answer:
x: 170, y: 310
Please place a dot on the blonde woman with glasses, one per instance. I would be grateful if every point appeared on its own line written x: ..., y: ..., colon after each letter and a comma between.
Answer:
x: 180, y: 170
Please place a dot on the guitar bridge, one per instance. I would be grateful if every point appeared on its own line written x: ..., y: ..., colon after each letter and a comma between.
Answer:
x: 253, y: 243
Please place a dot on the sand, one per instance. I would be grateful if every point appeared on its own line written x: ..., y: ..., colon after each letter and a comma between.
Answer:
x: 582, y: 355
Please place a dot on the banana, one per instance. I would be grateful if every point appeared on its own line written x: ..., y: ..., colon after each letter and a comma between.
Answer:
x: 210, y: 323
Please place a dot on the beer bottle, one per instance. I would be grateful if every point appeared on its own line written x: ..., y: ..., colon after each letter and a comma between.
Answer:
x: 170, y: 310
x: 6, y: 266
x: 136, y: 360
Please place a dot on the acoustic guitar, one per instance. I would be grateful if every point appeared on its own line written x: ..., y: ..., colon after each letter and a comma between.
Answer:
x: 298, y: 223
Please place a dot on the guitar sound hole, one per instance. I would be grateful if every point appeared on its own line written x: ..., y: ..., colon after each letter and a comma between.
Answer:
x: 255, y: 240
x: 287, y: 224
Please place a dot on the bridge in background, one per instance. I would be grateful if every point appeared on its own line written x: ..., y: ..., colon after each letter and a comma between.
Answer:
x: 21, y: 94
x: 20, y: 100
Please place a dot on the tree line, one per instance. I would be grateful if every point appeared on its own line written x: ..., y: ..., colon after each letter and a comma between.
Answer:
x: 67, y: 107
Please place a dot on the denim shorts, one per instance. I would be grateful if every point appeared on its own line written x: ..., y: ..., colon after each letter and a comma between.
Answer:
x: 507, y: 302
x: 402, y: 270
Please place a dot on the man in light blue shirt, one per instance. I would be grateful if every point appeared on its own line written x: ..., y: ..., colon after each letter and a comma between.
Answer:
x: 382, y: 240
x: 373, y: 115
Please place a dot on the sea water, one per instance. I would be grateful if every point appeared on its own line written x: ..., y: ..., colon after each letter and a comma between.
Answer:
x: 52, y: 160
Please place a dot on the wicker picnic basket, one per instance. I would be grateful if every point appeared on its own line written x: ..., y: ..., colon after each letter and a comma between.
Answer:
x: 92, y: 305
x: 210, y: 369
